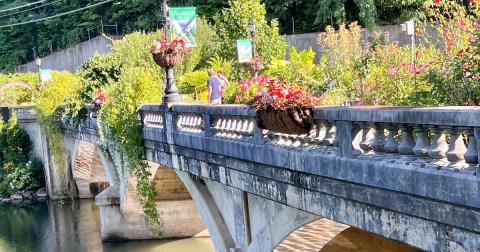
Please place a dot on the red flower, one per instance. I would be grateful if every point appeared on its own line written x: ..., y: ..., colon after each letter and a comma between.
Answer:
x: 280, y: 95
x: 174, y: 47
x: 437, y: 1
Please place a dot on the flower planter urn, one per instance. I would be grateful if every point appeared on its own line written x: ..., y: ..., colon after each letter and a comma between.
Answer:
x: 292, y: 121
x: 167, y: 60
x: 255, y: 67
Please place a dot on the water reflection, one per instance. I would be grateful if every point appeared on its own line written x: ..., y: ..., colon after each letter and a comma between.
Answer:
x: 50, y: 227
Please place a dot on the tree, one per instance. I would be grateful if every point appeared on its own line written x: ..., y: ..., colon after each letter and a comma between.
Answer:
x: 233, y: 25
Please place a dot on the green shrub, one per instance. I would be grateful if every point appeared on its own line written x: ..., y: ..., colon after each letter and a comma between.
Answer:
x: 17, y: 173
x: 193, y: 83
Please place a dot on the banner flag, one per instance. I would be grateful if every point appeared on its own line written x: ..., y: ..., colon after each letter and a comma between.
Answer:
x: 244, y: 48
x: 183, y: 24
x: 45, y: 75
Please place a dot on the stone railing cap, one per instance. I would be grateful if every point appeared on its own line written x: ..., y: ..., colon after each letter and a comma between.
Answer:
x: 447, y: 116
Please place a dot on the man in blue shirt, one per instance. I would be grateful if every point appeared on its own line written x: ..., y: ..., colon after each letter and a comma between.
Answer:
x: 214, y: 91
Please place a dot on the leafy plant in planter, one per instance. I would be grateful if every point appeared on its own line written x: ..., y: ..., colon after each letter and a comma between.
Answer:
x: 167, y: 54
x: 283, y: 107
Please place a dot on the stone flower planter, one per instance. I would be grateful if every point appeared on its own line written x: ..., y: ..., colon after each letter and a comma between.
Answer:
x: 293, y: 121
x: 167, y: 60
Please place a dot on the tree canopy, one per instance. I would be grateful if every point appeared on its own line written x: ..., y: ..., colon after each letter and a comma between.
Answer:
x: 22, y: 43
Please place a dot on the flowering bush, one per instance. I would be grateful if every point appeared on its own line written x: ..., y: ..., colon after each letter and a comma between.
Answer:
x: 99, y: 98
x: 161, y: 46
x: 455, y: 76
x: 388, y: 74
x: 25, y: 176
x: 277, y: 94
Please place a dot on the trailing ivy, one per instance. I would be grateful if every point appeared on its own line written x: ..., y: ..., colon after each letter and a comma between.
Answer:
x: 119, y: 116
x: 62, y: 85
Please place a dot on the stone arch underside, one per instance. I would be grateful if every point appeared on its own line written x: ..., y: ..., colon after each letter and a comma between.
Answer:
x: 88, y: 171
x: 325, y: 235
x: 177, y: 209
x: 209, y: 211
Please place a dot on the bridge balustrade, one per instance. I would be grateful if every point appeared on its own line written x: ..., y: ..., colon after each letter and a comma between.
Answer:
x: 438, y: 138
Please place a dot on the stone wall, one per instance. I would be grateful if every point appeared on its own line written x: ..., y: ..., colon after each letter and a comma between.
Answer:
x: 70, y: 59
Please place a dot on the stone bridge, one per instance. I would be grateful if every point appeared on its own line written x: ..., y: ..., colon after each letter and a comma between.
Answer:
x: 407, y: 174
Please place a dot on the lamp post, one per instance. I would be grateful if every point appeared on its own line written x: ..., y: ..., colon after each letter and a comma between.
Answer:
x: 171, y: 93
x: 409, y: 28
x: 38, y: 62
x: 252, y: 27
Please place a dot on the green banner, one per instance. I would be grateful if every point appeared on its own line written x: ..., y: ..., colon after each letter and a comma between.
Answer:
x: 183, y: 24
x: 45, y: 75
x: 244, y: 48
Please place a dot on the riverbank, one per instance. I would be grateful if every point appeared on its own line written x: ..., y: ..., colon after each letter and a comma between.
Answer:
x: 26, y: 196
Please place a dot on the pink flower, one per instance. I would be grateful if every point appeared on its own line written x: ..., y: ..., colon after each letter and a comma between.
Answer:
x: 392, y: 71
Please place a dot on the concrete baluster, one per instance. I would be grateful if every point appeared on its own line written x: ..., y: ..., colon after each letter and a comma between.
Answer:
x: 239, y: 133
x: 320, y: 132
x: 476, y: 132
x: 471, y: 157
x: 188, y: 122
x: 251, y: 127
x: 407, y: 143
x: 309, y: 138
x: 191, y: 123
x: 422, y: 144
x: 391, y: 145
x: 228, y: 128
x: 438, y: 148
x: 379, y: 138
x: 199, y: 124
x: 179, y: 121
x: 456, y: 149
x: 330, y: 134
x: 368, y: 135
x: 224, y: 127
x: 272, y: 138
x: 278, y: 138
x: 243, y: 127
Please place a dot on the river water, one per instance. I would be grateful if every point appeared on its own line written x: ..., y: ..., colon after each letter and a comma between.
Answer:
x: 50, y: 227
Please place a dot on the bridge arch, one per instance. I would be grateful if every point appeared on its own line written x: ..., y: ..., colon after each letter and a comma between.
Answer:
x: 325, y: 235
x: 16, y: 83
x: 88, y: 171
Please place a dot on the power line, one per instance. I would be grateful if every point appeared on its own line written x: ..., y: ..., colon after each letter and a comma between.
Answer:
x: 22, y: 6
x: 38, y: 7
x: 55, y: 16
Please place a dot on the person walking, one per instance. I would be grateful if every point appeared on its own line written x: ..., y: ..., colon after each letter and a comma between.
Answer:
x: 223, y: 84
x: 214, y: 88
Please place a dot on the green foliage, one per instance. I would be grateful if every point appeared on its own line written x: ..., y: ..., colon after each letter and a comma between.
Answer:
x: 193, y: 83
x: 62, y: 86
x: 233, y: 25
x: 300, y: 69
x: 25, y: 176
x: 218, y: 63
x: 17, y: 173
x: 119, y: 116
x: 340, y: 49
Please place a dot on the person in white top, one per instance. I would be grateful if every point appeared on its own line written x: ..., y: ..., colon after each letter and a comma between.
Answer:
x: 223, y: 82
